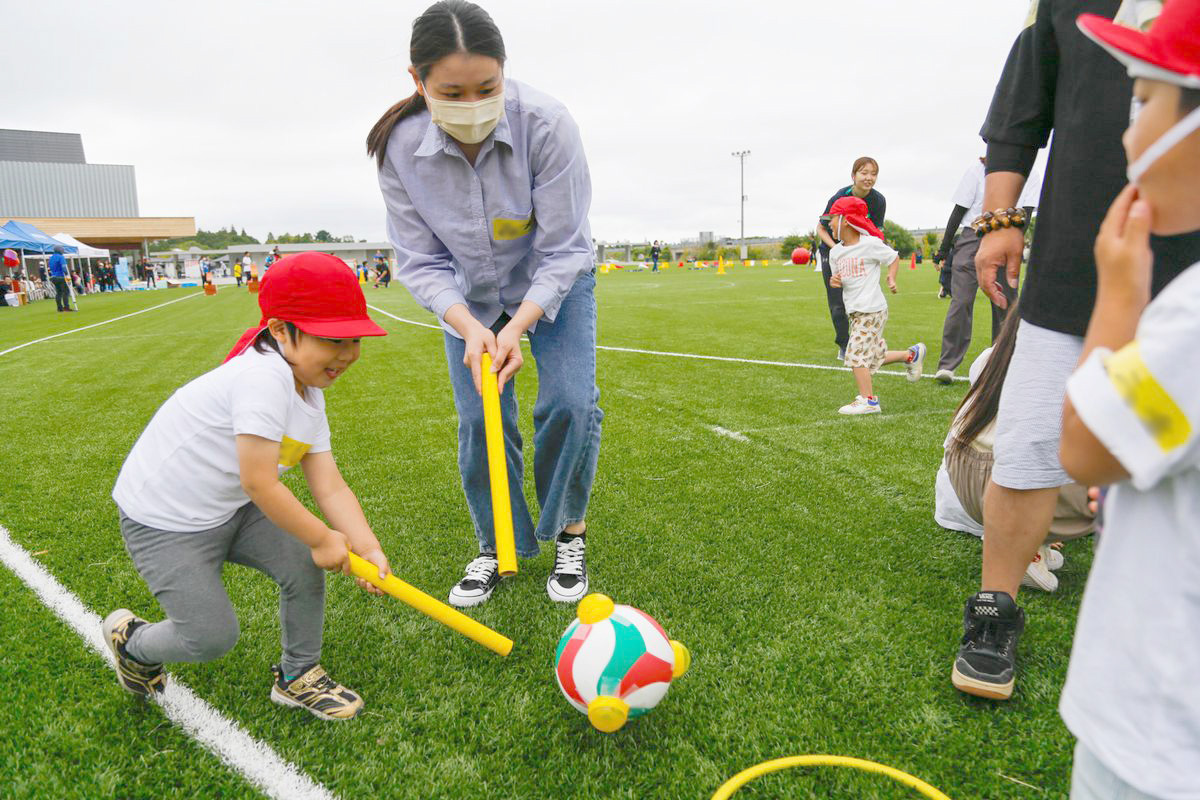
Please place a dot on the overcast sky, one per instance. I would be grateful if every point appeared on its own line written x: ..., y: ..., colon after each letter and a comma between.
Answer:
x: 254, y: 113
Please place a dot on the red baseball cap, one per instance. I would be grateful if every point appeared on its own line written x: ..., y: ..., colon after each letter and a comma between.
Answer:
x: 854, y: 209
x: 318, y: 294
x: 1170, y: 52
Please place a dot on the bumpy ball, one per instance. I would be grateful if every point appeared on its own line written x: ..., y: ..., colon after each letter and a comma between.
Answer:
x: 615, y: 662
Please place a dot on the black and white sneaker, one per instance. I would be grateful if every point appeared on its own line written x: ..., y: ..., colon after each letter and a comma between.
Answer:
x: 477, y: 585
x: 568, y: 582
x: 144, y: 680
x: 986, y: 663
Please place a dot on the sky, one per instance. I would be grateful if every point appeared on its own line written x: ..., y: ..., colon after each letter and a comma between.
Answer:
x: 255, y: 114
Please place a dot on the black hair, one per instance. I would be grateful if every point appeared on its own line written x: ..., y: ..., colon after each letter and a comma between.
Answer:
x: 982, y: 400
x: 265, y: 342
x: 1189, y: 100
x: 446, y: 27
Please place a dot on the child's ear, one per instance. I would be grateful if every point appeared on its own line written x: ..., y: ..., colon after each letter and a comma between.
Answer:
x: 278, y: 329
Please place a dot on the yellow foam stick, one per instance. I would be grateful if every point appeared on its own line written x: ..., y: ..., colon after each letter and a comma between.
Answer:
x: 506, y: 549
x: 745, y: 776
x: 434, y: 608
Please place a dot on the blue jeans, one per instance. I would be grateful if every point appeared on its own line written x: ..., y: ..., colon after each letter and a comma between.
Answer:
x: 566, y: 427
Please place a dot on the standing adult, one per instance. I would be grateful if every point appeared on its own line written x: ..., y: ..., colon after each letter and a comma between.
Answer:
x: 1054, y: 79
x: 655, y: 252
x: 864, y: 173
x: 58, y: 276
x: 487, y: 191
x: 958, y: 252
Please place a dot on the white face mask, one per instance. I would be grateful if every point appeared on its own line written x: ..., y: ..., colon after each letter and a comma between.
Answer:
x: 469, y: 123
x: 1176, y: 134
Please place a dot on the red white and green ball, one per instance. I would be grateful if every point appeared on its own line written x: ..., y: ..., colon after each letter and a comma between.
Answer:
x: 615, y: 662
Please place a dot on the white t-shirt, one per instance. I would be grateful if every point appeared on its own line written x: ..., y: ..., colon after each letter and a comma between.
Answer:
x: 859, y: 267
x: 969, y: 193
x: 183, y: 475
x: 1131, y: 694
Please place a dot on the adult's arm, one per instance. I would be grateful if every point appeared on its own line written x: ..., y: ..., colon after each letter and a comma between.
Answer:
x: 562, y: 196
x: 952, y: 226
x: 1018, y: 124
x: 423, y: 263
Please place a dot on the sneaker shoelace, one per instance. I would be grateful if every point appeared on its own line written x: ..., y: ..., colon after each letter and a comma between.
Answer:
x: 569, y: 558
x: 481, y: 569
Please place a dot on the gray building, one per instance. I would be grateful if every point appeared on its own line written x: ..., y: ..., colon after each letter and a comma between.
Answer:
x: 44, y: 174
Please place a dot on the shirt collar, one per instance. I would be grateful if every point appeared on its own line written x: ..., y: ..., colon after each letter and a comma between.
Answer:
x: 437, y: 140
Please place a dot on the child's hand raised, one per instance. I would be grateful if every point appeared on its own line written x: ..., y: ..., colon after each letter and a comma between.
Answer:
x: 380, y: 561
x: 1122, y: 249
x: 333, y: 553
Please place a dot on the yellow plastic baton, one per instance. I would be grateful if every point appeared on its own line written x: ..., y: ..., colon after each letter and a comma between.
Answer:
x: 434, y: 608
x: 506, y: 549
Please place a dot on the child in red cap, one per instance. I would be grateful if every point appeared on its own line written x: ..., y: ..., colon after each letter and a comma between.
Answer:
x: 201, y: 487
x: 856, y: 261
x: 1132, y: 419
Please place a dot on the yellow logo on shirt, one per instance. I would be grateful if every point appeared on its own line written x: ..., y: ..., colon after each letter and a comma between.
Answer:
x: 505, y: 230
x: 1146, y: 397
x: 291, y: 451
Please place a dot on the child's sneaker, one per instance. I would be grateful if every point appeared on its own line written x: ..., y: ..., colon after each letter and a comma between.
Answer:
x: 133, y: 676
x: 568, y: 581
x: 1038, y: 575
x: 315, y: 692
x: 1054, y: 558
x: 916, y: 362
x: 477, y: 585
x: 861, y: 405
x: 987, y: 658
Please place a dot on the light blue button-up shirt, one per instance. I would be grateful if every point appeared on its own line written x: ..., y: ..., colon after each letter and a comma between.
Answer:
x: 513, y: 227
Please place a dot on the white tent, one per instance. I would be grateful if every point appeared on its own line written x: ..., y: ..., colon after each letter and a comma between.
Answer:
x: 85, y: 251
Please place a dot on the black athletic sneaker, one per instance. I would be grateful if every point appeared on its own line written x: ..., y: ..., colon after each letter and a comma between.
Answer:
x: 133, y: 676
x: 477, y: 585
x: 568, y: 582
x: 986, y: 663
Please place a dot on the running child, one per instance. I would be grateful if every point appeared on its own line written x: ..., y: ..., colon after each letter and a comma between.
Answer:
x: 1131, y: 419
x: 856, y: 260
x: 201, y: 487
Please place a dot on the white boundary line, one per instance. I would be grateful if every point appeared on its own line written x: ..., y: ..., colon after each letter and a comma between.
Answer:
x: 761, y: 362
x: 737, y: 437
x: 254, y: 760
x: 98, y: 324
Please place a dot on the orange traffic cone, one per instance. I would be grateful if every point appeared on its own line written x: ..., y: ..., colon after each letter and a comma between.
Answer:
x: 913, y: 264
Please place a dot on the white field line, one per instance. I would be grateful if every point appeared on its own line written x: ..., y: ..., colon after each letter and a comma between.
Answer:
x: 737, y: 437
x: 759, y: 361
x: 255, y: 761
x: 98, y: 324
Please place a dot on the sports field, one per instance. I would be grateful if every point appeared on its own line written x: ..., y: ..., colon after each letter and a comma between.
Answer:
x: 797, y: 558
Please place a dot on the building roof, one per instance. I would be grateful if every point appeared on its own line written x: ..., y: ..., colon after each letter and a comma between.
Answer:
x: 41, y: 146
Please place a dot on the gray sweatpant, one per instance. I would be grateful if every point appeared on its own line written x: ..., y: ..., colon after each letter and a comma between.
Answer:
x: 183, y: 570
x: 956, y: 332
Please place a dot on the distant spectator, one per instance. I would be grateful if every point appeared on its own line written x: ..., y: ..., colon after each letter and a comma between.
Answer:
x: 58, y: 276
x: 655, y: 251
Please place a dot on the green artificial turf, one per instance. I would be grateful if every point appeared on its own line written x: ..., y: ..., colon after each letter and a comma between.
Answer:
x: 802, y: 566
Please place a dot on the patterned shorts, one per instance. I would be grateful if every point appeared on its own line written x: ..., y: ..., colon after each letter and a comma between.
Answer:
x: 866, y: 347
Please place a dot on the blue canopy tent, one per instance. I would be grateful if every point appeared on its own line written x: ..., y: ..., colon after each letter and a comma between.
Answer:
x: 23, y: 236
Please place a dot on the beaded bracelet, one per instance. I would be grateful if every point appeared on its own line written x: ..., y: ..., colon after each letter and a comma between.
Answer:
x: 1000, y: 218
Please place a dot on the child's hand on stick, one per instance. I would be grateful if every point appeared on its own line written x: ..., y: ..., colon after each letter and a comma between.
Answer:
x: 380, y: 561
x: 333, y: 553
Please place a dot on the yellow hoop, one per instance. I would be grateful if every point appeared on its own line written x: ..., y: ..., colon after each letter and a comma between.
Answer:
x: 745, y: 776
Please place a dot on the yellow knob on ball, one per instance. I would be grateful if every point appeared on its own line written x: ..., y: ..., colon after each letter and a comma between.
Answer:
x: 683, y: 659
x: 594, y: 608
x: 607, y: 714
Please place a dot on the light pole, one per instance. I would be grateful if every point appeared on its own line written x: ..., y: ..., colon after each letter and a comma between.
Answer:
x: 740, y: 155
